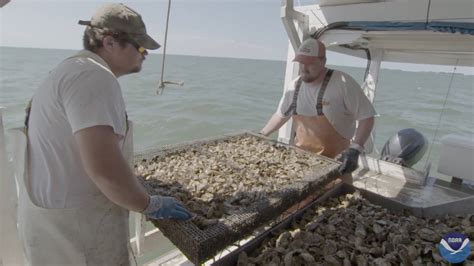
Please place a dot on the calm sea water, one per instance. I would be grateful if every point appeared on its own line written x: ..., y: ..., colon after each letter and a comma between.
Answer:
x: 222, y: 95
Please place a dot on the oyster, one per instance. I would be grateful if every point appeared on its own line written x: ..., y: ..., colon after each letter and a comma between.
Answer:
x: 217, y: 179
x: 365, y: 234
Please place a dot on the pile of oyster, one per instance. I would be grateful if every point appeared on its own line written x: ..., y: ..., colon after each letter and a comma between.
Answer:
x: 349, y: 230
x: 215, y: 180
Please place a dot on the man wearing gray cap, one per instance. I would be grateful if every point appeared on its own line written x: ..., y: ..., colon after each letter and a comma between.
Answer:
x: 79, y: 181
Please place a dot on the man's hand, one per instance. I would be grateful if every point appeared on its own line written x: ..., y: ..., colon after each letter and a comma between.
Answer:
x: 274, y: 124
x: 258, y: 133
x: 349, y: 159
x: 166, y: 208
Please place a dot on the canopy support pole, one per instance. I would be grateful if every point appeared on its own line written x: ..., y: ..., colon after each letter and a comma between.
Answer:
x: 296, y: 33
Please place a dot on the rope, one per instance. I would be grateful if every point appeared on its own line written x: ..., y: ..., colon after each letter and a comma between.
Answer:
x: 442, y: 112
x: 428, y: 12
x: 161, y: 87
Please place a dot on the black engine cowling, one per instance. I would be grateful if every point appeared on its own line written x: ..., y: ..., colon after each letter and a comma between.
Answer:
x: 406, y: 147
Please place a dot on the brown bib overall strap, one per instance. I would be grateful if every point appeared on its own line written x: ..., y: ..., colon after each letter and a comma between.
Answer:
x: 292, y: 109
x: 322, y: 90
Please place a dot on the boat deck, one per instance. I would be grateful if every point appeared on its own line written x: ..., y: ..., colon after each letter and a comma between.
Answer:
x: 409, y: 189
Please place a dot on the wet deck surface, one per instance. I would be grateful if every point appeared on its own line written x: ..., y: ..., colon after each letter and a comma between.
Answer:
x: 409, y: 193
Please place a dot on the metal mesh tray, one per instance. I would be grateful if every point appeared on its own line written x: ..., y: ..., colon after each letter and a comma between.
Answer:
x: 200, y: 245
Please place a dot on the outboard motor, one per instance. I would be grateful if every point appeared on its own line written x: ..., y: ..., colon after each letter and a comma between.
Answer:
x: 405, y: 148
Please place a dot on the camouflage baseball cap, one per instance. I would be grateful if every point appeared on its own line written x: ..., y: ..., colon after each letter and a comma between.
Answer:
x: 124, y: 19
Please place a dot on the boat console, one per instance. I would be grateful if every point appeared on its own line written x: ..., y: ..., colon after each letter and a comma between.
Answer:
x: 457, y: 158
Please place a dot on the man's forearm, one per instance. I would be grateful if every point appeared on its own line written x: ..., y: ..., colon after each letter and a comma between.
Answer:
x: 104, y: 163
x: 274, y: 124
x: 363, y: 131
x: 120, y: 185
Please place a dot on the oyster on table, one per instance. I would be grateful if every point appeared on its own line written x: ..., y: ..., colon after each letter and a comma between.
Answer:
x: 217, y: 179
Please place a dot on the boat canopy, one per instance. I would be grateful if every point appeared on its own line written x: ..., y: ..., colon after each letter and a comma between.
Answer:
x: 423, y: 31
x: 438, y: 26
x: 436, y: 42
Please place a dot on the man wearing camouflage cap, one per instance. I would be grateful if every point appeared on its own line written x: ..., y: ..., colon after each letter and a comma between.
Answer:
x: 79, y: 182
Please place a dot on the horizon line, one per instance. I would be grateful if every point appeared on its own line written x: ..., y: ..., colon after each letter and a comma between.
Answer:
x: 258, y: 59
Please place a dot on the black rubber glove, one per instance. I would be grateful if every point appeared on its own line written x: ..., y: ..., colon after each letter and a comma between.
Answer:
x: 349, y: 159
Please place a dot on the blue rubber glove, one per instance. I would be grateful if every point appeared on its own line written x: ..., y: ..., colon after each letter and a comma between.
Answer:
x: 161, y: 207
x: 349, y: 159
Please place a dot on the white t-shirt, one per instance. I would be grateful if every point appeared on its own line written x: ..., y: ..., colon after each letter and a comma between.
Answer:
x: 343, y: 102
x: 80, y: 92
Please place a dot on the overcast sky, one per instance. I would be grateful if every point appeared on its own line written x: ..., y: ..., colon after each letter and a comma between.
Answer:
x: 218, y: 28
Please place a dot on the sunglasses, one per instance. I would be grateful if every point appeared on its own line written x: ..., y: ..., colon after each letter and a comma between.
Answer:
x: 142, y: 50
x: 139, y: 48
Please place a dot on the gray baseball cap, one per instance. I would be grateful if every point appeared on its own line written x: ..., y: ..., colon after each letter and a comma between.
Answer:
x: 124, y: 19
